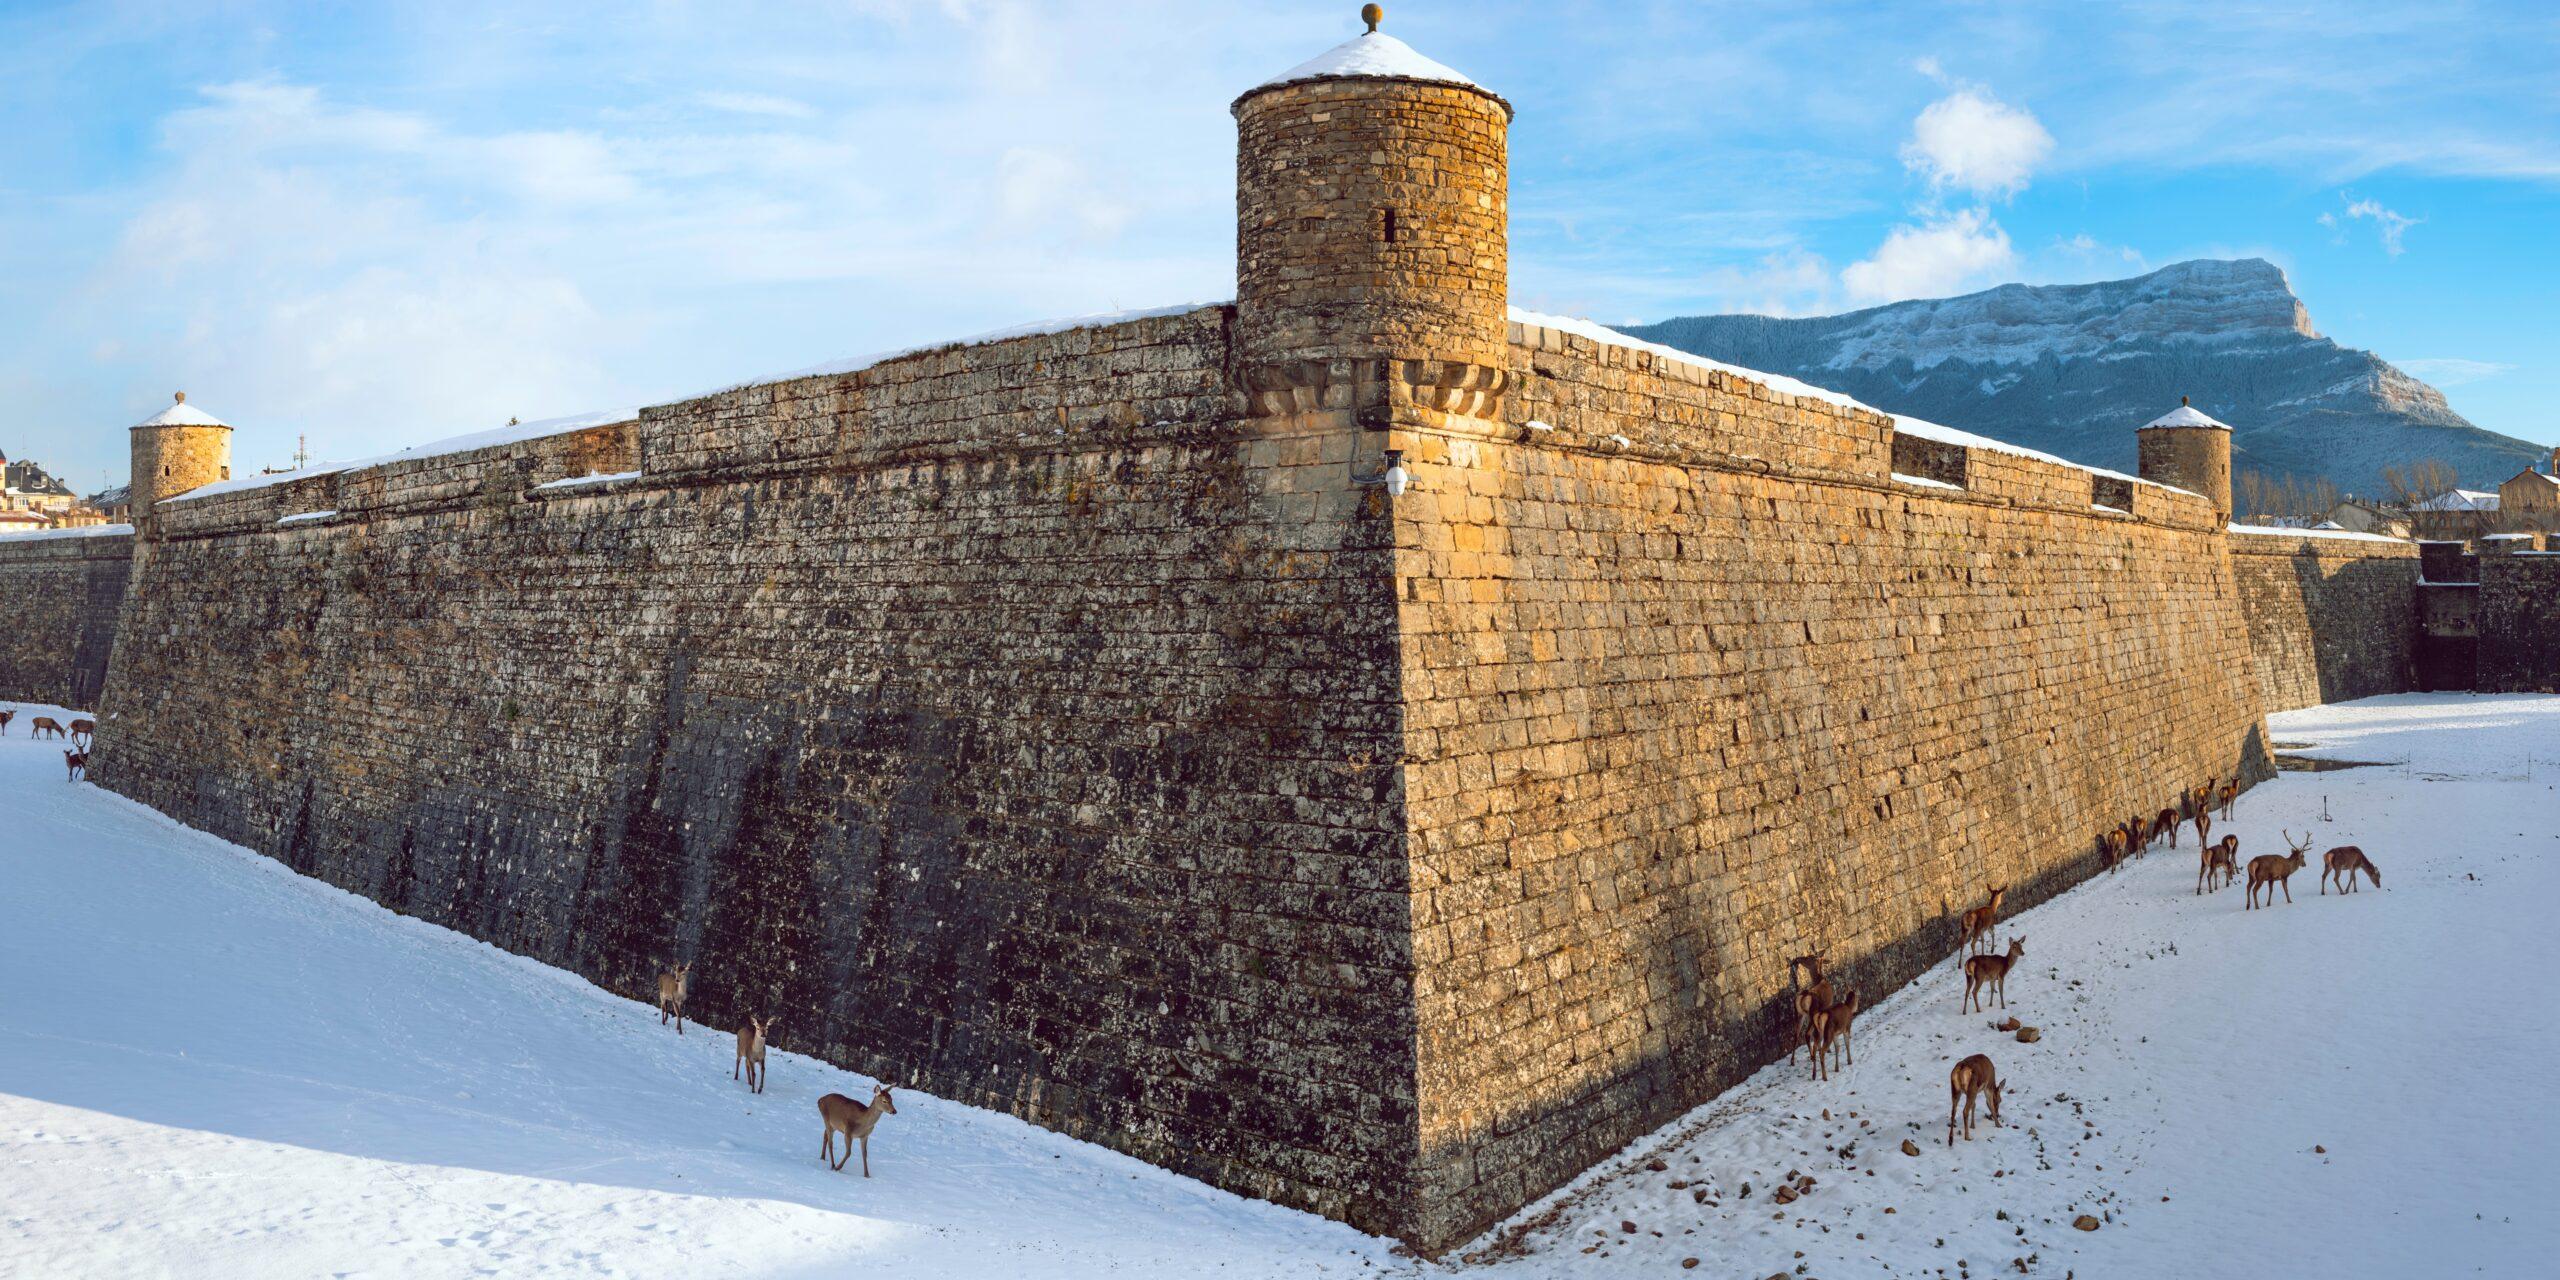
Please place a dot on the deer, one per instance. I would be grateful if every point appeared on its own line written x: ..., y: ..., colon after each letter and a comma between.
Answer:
x: 1976, y: 923
x: 1991, y: 971
x: 1831, y: 1028
x: 2230, y: 796
x: 2137, y: 833
x: 2166, y: 823
x: 751, y: 1052
x: 39, y: 726
x: 2223, y: 856
x: 2271, y: 872
x: 2204, y: 826
x: 78, y: 763
x: 84, y: 731
x: 2344, y: 862
x: 841, y: 1114
x: 671, y: 987
x: 2111, y: 849
x: 5, y: 718
x: 1972, y: 1078
x: 1809, y: 1003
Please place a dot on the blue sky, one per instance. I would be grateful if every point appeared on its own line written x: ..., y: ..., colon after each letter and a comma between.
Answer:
x: 383, y: 224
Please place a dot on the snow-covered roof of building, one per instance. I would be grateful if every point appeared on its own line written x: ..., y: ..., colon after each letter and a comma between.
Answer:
x: 2459, y: 500
x: 182, y: 414
x: 2187, y: 415
x: 1370, y: 56
x: 2528, y: 471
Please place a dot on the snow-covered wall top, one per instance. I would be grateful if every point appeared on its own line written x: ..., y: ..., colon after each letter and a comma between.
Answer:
x: 87, y: 531
x: 513, y: 433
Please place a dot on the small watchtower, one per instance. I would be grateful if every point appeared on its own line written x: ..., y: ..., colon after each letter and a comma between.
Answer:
x: 175, y: 450
x: 1372, y: 236
x: 2187, y: 448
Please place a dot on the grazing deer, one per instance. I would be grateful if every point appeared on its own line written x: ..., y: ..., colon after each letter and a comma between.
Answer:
x: 843, y: 1115
x: 2204, y: 826
x: 39, y: 726
x: 671, y: 987
x: 1830, y: 1030
x: 2344, y: 862
x: 2166, y: 824
x: 2230, y: 794
x: 2271, y: 872
x: 5, y: 718
x: 1991, y: 971
x: 82, y: 731
x: 751, y: 1052
x: 1971, y: 1079
x: 1976, y: 923
x: 78, y: 762
x: 2221, y: 856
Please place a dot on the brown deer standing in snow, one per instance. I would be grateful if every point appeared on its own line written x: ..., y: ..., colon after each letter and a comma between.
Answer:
x: 2111, y: 849
x: 1808, y: 1002
x: 1976, y: 922
x: 2138, y: 834
x: 2344, y: 862
x: 2166, y: 824
x: 843, y: 1115
x: 1991, y: 971
x: 2204, y: 826
x: 43, y: 725
x: 671, y: 986
x: 5, y: 718
x: 84, y: 731
x: 751, y: 1052
x: 2221, y: 856
x: 77, y: 762
x: 2230, y: 794
x: 2271, y: 872
x: 1972, y: 1078
x: 1830, y: 1030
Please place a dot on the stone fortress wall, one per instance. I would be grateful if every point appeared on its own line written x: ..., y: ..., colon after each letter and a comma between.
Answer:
x: 1093, y: 724
x: 2330, y: 618
x: 64, y: 591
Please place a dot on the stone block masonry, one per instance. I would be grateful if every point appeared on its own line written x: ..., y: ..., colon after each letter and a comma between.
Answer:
x: 2330, y: 619
x: 2519, y: 623
x: 64, y: 591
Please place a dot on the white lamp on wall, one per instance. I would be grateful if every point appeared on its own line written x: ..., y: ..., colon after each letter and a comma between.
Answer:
x: 1394, y: 477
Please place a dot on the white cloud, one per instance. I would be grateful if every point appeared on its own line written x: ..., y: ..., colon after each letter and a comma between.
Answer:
x: 1970, y: 141
x: 1945, y: 255
x: 2453, y: 371
x: 2389, y: 224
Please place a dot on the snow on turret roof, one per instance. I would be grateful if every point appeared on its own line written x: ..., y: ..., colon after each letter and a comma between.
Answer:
x: 1374, y: 56
x: 182, y: 414
x: 2186, y: 415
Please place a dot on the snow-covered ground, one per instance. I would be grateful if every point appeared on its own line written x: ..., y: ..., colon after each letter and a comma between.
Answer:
x: 209, y: 1066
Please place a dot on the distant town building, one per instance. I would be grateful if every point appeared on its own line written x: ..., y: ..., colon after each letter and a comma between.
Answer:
x: 2530, y: 500
x: 32, y: 498
x: 2456, y: 515
x: 2361, y: 516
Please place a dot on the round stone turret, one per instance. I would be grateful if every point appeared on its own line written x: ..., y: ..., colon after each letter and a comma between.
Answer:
x: 177, y: 449
x: 2187, y: 449
x: 1372, y: 242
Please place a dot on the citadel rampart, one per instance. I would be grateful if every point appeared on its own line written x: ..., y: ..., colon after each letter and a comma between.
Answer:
x: 64, y: 591
x: 1086, y: 724
x: 2330, y: 619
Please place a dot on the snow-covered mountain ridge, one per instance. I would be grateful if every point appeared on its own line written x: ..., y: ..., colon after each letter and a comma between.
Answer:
x: 2072, y: 369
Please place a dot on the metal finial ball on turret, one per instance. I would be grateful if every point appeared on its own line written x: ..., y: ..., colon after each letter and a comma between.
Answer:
x: 1373, y: 14
x: 182, y: 397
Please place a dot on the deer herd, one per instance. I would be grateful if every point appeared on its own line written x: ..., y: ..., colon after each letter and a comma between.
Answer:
x: 78, y: 733
x: 1823, y: 1016
x: 836, y: 1112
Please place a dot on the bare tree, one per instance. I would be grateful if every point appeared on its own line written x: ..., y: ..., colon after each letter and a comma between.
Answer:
x: 2288, y: 499
x: 2420, y: 481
